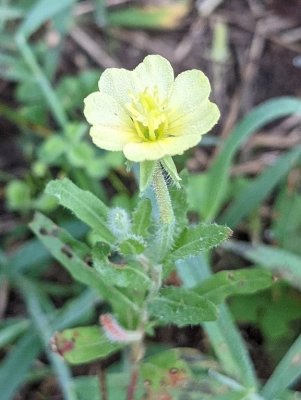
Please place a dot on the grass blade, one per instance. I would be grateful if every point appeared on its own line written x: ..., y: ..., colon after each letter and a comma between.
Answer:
x: 259, y: 189
x: 45, y: 333
x: 13, y: 372
x: 287, y: 372
x: 219, y: 171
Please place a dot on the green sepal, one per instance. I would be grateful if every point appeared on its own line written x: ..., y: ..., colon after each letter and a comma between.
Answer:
x: 147, y: 169
x: 170, y: 167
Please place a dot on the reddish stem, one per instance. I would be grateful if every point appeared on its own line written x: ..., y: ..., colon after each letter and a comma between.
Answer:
x: 133, y: 384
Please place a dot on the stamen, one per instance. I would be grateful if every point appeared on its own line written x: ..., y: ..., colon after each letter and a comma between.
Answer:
x: 149, y: 114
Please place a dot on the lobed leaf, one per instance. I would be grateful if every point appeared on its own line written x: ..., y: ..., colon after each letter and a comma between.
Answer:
x: 196, y: 239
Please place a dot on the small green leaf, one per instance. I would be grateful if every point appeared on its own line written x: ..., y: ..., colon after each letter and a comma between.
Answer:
x: 132, y: 245
x: 52, y: 149
x: 85, y: 206
x: 147, y: 169
x: 18, y: 195
x: 228, y: 283
x: 196, y: 239
x: 84, y: 344
x: 182, y: 307
x: 80, y: 154
x: 142, y: 218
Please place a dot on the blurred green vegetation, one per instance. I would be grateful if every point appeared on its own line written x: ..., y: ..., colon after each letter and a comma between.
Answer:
x: 41, y: 110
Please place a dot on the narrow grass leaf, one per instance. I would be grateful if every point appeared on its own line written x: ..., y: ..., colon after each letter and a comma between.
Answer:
x: 219, y: 172
x: 40, y: 13
x: 286, y: 373
x: 259, y: 188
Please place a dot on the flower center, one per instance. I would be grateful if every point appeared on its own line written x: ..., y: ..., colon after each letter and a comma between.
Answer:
x: 149, y: 114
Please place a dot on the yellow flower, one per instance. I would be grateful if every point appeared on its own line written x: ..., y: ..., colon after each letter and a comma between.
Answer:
x: 148, y: 114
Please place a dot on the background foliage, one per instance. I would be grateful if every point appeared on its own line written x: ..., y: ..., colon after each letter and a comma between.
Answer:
x: 245, y: 175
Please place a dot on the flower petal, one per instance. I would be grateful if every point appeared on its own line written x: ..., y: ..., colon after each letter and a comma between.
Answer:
x: 190, y: 89
x: 109, y: 138
x: 154, y: 71
x: 196, y: 122
x: 169, y: 146
x: 103, y: 109
x: 118, y: 83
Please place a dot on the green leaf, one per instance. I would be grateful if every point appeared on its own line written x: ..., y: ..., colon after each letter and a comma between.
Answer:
x: 228, y: 283
x: 18, y: 195
x: 196, y: 239
x: 153, y: 17
x: 182, y: 307
x: 59, y: 243
x: 87, y: 388
x: 40, y: 13
x: 12, y: 330
x: 80, y: 154
x: 224, y: 335
x: 219, y: 172
x: 282, y: 262
x: 147, y: 169
x: 120, y: 274
x: 52, y: 149
x: 142, y: 218
x: 132, y: 245
x: 286, y: 228
x: 12, y: 371
x: 84, y: 204
x: 84, y: 344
